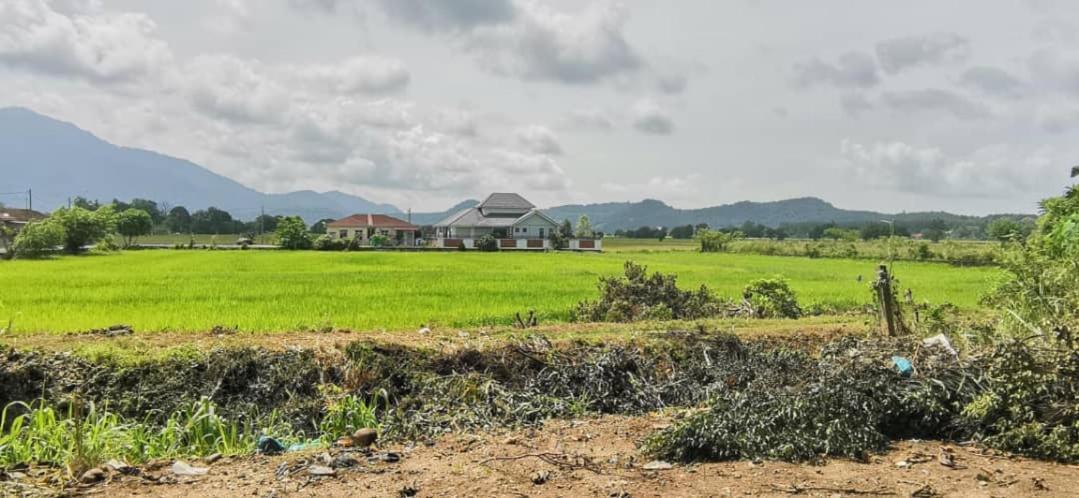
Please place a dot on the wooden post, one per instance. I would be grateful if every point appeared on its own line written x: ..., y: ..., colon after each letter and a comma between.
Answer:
x: 887, y: 301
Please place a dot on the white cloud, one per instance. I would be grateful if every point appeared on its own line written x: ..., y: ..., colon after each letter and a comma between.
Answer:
x: 80, y: 42
x: 993, y: 170
x: 539, y: 139
x: 898, y: 54
x: 366, y: 74
x: 851, y: 70
x: 649, y: 117
x: 226, y: 87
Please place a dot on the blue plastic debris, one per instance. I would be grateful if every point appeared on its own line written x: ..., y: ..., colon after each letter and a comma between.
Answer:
x: 306, y: 445
x: 269, y: 446
x: 903, y: 366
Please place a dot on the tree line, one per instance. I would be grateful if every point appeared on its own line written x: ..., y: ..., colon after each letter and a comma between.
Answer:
x: 1001, y: 228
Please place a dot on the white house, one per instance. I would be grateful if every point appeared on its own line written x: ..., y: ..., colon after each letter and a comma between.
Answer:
x: 508, y: 217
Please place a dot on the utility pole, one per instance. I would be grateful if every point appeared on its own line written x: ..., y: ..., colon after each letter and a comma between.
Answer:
x: 29, y: 199
x: 262, y: 219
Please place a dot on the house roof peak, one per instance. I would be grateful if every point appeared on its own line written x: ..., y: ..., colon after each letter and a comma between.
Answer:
x: 506, y: 200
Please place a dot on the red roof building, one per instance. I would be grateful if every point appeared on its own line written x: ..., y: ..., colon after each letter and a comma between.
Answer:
x: 364, y: 227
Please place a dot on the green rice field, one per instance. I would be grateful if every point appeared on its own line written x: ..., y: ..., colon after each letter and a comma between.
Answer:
x: 166, y: 290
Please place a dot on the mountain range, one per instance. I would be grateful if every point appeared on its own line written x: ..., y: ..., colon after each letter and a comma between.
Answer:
x: 58, y: 160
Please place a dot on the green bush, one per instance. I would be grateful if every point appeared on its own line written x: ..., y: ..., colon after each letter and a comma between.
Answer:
x: 639, y: 296
x: 329, y: 243
x: 379, y: 241
x: 716, y: 241
x: 772, y: 298
x: 487, y: 243
x: 36, y: 239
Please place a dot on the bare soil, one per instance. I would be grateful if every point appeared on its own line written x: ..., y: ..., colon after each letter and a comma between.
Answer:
x: 600, y: 457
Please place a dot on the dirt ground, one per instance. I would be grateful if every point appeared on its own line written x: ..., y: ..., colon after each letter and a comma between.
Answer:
x: 599, y: 457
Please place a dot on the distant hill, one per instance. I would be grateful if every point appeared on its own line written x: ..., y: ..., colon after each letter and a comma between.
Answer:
x: 612, y: 216
x: 59, y: 160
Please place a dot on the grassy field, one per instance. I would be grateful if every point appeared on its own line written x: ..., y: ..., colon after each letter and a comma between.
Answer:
x: 280, y: 291
x: 202, y: 239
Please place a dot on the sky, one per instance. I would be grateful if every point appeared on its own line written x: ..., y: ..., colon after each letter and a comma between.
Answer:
x: 970, y: 106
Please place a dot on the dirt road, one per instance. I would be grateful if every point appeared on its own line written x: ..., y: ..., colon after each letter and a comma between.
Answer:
x: 599, y: 457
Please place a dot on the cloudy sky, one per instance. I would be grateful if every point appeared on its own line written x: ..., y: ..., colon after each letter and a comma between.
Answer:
x: 969, y: 106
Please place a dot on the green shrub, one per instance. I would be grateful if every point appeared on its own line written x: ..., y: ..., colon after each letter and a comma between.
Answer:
x: 379, y: 241
x: 487, y: 243
x: 772, y: 298
x: 37, y: 238
x: 638, y: 296
x: 329, y: 243
x: 716, y: 241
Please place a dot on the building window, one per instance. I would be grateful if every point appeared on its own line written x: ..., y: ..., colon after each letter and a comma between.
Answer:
x: 541, y: 233
x: 524, y: 229
x: 343, y: 234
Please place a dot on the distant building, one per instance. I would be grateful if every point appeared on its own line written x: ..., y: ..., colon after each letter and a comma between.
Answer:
x: 508, y: 217
x: 18, y: 218
x: 365, y: 226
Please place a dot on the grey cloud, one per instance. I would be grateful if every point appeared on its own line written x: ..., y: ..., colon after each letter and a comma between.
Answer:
x: 898, y: 54
x: 1055, y: 71
x: 539, y: 139
x: 649, y: 117
x: 1059, y: 121
x: 854, y: 103
x: 936, y: 100
x: 989, y: 171
x: 672, y: 83
x: 590, y: 119
x: 439, y: 15
x: 993, y: 81
x: 851, y: 70
x: 546, y: 45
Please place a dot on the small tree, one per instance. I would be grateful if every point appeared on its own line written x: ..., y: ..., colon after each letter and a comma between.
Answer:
x: 292, y: 233
x: 320, y: 226
x: 1004, y: 230
x: 584, y: 227
x: 37, y: 238
x: 81, y: 227
x: 178, y: 220
x: 715, y: 240
x: 566, y: 229
x: 132, y: 223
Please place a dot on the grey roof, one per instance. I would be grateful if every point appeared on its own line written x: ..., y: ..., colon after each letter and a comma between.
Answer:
x: 449, y: 220
x: 506, y: 201
x: 472, y: 217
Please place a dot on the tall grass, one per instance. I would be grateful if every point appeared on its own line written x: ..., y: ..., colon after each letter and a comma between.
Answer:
x: 83, y: 437
x: 346, y: 415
